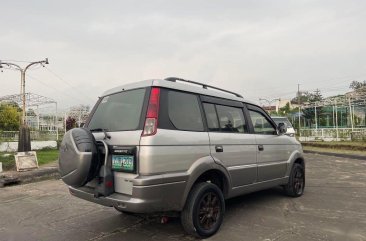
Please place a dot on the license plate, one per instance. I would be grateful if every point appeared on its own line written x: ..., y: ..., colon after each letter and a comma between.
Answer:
x: 123, y: 163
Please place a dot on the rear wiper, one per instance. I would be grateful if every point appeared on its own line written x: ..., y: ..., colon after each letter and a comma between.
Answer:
x: 102, y: 130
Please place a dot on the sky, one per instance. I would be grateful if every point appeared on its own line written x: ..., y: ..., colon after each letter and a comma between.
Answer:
x: 259, y: 48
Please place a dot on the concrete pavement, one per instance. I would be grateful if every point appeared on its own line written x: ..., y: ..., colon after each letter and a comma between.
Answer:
x: 332, y: 208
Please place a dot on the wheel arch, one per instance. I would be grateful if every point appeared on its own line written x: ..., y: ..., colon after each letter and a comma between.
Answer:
x: 206, y: 169
x: 296, y: 157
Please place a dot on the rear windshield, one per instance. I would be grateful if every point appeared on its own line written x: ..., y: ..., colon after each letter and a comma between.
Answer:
x: 119, y: 112
x: 282, y: 120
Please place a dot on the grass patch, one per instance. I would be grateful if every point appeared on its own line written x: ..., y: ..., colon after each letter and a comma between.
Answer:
x: 334, y: 150
x: 47, y: 156
x: 8, y: 160
x: 340, y: 145
x: 44, y: 156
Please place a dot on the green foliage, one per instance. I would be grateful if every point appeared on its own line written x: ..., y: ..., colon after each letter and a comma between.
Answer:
x: 47, y: 155
x: 284, y: 111
x: 8, y: 160
x: 355, y: 85
x: 316, y: 96
x: 309, y: 97
x: 9, y: 117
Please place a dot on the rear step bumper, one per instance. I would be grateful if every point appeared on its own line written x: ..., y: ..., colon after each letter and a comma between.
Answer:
x: 144, y: 199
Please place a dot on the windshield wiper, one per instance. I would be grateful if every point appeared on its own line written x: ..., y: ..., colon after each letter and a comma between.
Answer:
x: 106, y: 136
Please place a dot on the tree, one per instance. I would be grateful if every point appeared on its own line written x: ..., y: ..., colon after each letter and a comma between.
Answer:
x: 9, y: 118
x: 285, y: 110
x: 355, y: 85
x: 309, y: 97
x: 309, y: 113
x: 315, y: 97
x: 303, y: 96
x: 70, y: 123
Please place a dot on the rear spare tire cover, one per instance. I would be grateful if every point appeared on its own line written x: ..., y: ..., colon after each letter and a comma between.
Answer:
x: 78, y: 159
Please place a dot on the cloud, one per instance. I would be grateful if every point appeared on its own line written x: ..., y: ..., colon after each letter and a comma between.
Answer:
x: 259, y: 48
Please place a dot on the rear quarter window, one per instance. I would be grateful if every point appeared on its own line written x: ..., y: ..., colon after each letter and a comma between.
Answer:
x: 184, y: 111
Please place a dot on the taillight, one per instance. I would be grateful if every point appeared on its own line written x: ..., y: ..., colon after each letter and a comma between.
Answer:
x: 151, y: 121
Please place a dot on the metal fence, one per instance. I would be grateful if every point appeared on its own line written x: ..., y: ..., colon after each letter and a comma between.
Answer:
x: 35, y: 135
x: 333, y: 134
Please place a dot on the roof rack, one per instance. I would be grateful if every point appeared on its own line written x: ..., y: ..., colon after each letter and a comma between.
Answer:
x: 175, y: 79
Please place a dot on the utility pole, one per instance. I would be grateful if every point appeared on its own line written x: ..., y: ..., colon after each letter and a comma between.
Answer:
x: 24, y: 132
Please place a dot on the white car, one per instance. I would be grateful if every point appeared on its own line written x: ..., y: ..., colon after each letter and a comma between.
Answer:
x: 290, y: 128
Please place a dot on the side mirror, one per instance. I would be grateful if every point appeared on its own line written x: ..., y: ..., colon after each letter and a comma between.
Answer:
x: 281, y: 128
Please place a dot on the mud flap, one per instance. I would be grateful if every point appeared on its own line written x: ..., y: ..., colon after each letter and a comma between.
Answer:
x: 105, y: 185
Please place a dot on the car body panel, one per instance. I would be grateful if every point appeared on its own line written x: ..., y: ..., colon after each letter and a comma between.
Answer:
x: 170, y: 162
x: 239, y: 155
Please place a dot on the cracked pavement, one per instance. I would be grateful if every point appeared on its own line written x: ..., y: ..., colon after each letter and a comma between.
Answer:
x: 332, y: 208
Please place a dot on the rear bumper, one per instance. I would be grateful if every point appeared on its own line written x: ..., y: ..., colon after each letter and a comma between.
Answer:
x: 144, y: 199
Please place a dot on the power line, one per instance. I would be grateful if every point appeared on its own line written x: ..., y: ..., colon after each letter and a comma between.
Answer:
x: 67, y: 83
x: 53, y: 88
x: 19, y: 61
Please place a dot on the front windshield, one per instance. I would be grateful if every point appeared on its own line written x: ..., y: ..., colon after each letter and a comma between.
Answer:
x: 120, y: 111
x: 282, y: 120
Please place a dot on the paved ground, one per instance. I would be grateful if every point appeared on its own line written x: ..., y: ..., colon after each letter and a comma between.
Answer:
x: 332, y: 208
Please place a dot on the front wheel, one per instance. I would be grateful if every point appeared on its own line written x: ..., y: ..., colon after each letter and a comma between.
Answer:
x: 204, y: 210
x: 296, y: 183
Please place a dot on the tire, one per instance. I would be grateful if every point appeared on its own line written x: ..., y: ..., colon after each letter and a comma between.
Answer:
x: 78, y: 159
x: 296, y: 183
x: 199, y: 218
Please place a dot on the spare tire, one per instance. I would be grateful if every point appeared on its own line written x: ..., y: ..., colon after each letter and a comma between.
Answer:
x: 78, y: 160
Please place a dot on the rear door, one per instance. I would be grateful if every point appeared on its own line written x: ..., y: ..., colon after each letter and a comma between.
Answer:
x: 230, y: 141
x: 121, y: 116
x: 273, y: 150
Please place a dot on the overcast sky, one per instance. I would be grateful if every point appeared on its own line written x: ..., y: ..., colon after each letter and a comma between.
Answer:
x: 258, y: 48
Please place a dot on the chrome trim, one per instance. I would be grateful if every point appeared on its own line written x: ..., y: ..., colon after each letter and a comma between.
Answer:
x: 242, y: 167
x: 272, y: 163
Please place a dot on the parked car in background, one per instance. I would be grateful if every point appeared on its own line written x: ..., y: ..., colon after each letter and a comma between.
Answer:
x: 290, y: 129
x: 179, y: 146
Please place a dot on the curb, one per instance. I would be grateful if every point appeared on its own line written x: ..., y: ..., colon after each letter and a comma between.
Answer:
x: 358, y: 157
x: 44, y: 173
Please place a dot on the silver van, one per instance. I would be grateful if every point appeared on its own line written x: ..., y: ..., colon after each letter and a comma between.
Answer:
x: 179, y: 146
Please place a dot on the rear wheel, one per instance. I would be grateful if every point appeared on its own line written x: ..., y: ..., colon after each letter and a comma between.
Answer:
x: 296, y: 183
x: 204, y: 210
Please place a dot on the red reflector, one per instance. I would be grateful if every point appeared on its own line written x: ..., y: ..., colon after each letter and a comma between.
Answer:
x: 109, y: 184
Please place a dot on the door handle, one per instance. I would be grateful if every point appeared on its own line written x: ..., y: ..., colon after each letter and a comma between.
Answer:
x: 260, y: 148
x: 219, y: 148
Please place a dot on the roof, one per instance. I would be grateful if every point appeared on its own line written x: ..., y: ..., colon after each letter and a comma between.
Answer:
x: 189, y: 87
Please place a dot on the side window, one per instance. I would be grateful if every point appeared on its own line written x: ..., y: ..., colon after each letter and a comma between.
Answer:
x: 184, y: 111
x: 261, y: 124
x: 231, y: 119
x: 211, y: 116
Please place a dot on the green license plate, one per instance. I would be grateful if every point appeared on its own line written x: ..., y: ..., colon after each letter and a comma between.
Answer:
x: 123, y: 163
